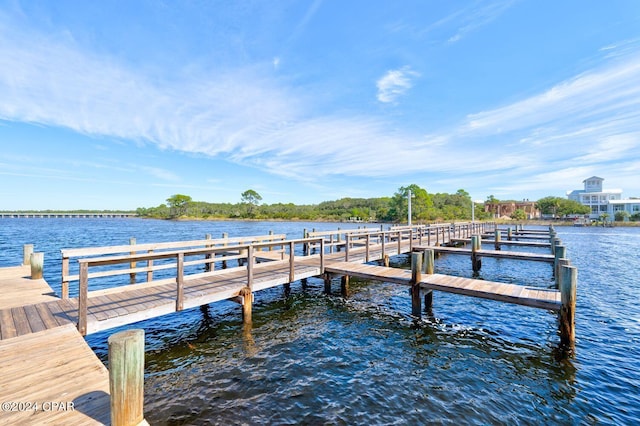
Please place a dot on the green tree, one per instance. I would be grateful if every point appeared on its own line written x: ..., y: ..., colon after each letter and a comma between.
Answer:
x: 251, y: 199
x: 421, y: 203
x: 621, y: 215
x: 519, y: 214
x: 178, y: 204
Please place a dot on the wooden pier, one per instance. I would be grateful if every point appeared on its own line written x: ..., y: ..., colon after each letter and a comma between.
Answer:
x: 187, y: 274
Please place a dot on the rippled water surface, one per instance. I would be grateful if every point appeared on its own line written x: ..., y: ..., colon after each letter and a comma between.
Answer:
x: 313, y: 358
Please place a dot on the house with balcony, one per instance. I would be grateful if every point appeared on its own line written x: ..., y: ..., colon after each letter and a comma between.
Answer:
x: 603, y: 201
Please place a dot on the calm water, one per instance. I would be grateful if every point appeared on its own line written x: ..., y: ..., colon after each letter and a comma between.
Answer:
x: 312, y: 358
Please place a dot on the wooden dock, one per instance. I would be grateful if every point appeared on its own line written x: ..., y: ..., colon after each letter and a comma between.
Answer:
x: 49, y: 373
x: 32, y: 319
x: 534, y: 297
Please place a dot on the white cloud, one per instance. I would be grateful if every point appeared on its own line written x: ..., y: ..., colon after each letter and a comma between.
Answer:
x: 395, y: 83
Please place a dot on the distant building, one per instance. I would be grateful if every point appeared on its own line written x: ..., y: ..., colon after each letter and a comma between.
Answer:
x: 601, y: 201
x: 506, y: 208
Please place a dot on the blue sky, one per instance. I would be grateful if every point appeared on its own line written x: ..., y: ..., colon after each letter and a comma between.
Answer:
x: 120, y: 104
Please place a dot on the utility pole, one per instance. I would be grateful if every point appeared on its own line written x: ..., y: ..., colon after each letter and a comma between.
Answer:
x: 409, y: 196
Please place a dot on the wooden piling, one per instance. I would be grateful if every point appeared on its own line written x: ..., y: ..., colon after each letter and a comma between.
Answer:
x: 476, y: 261
x: 385, y: 260
x: 429, y: 261
x: 344, y: 286
x: 568, y: 290
x: 27, y: 249
x: 126, y: 377
x: 247, y: 301
x: 37, y: 265
x: 497, y: 239
x: 560, y: 253
x: 509, y: 233
x: 561, y: 262
x: 416, y: 277
x: 428, y: 268
x: 327, y: 283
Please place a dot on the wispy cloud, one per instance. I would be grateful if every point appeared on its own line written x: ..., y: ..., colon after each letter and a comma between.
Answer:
x: 395, y: 83
x: 242, y: 116
x: 477, y: 16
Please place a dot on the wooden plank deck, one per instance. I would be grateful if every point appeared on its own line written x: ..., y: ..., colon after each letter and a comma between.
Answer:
x: 57, y: 373
x: 500, y: 254
x: 511, y: 293
x: 504, y: 242
x: 16, y: 287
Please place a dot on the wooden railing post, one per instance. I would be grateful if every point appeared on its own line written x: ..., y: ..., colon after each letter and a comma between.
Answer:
x: 366, y: 253
x: 132, y: 265
x: 180, y: 282
x: 208, y: 267
x: 383, y: 245
x: 250, y: 267
x: 126, y: 377
x: 224, y: 262
x: 83, y: 290
x: 64, y: 289
x: 347, y: 242
x: 37, y: 265
x: 271, y: 233
x: 292, y: 266
x: 410, y: 239
x: 416, y: 277
x: 399, y: 242
x: 149, y: 268
x: 568, y: 291
x: 322, y: 255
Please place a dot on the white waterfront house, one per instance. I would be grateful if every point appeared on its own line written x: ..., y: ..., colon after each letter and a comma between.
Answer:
x: 601, y: 201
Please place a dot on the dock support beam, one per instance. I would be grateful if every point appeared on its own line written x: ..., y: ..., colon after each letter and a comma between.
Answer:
x: 327, y: 283
x: 126, y: 377
x: 416, y: 277
x: 497, y: 239
x: 568, y: 290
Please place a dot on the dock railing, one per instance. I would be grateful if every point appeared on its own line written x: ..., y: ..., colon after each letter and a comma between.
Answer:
x: 248, y: 251
x: 230, y: 243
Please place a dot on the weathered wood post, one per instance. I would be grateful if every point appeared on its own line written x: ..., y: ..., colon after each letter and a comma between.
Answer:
x: 347, y: 242
x: 209, y: 266
x: 561, y: 262
x: 247, y: 301
x: 271, y: 240
x: 132, y: 265
x: 37, y: 264
x: 366, y: 250
x: 27, y: 249
x: 568, y: 291
x: 305, y: 246
x: 327, y: 282
x: 509, y: 233
x: 416, y: 277
x: 339, y: 240
x: 224, y: 262
x: 428, y: 268
x: 180, y: 282
x: 497, y: 239
x: 344, y: 286
x: 476, y: 261
x: 126, y: 377
x: 560, y: 253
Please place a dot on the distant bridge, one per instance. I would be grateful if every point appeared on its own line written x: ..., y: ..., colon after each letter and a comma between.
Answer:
x: 68, y: 215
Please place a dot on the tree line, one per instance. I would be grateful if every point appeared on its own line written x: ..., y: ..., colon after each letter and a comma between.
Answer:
x: 425, y: 207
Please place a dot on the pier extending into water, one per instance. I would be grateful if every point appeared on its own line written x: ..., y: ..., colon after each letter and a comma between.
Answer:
x: 186, y: 274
